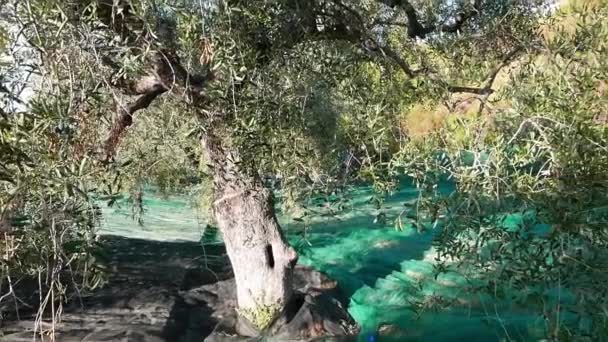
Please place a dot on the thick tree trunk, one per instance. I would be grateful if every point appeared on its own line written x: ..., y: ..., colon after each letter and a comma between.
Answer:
x: 261, y: 258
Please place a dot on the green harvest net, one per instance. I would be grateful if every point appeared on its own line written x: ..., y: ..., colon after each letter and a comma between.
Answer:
x: 385, y: 272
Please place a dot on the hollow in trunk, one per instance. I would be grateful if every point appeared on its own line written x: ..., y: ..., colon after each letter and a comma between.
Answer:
x: 261, y: 258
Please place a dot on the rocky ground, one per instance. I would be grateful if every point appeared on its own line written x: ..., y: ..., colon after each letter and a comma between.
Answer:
x: 178, y: 291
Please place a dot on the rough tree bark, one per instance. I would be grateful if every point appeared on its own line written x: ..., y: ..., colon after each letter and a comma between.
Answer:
x: 261, y: 258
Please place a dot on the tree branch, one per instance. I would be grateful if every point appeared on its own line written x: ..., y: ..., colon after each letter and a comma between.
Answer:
x: 167, y: 72
x: 10, y: 94
x: 507, y: 59
x: 391, y: 54
x: 416, y: 29
x: 471, y: 90
x: 487, y: 88
x: 124, y: 116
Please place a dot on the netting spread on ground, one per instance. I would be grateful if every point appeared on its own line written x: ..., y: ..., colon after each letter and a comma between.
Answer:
x: 387, y: 274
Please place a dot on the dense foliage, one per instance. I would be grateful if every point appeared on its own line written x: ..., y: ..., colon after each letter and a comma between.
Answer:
x: 47, y: 218
x: 504, y: 99
x: 529, y: 210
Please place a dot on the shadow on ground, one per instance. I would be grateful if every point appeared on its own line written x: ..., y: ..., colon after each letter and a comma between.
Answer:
x: 143, y: 298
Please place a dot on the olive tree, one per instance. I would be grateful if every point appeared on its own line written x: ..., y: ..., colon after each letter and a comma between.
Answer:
x: 275, y: 88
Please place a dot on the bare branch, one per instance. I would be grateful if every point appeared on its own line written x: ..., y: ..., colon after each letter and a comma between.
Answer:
x: 471, y: 90
x: 124, y: 117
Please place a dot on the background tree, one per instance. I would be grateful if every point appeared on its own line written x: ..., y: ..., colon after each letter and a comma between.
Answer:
x: 528, y: 215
